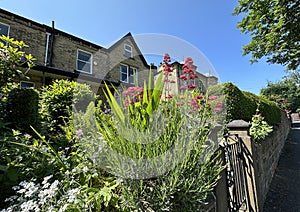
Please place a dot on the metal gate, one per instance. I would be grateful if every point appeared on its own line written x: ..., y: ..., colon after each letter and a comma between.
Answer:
x: 235, y: 173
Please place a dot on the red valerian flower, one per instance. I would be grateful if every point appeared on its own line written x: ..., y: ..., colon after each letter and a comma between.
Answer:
x: 186, y: 70
x: 194, y: 103
x: 217, y: 109
x: 167, y: 68
x: 183, y: 87
x: 200, y: 97
x: 193, y: 77
x: 192, y: 86
x: 167, y: 58
x: 219, y: 104
x: 213, y: 97
x: 170, y: 96
x: 183, y: 77
x: 179, y: 103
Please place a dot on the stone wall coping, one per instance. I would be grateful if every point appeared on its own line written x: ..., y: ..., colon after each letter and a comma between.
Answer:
x: 238, y: 124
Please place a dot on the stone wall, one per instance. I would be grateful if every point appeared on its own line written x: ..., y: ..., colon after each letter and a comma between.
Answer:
x: 260, y: 161
x: 266, y: 155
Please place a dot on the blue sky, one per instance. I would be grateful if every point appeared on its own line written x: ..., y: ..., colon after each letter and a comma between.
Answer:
x: 207, y: 25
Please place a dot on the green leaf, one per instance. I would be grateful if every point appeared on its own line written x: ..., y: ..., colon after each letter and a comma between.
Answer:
x: 114, y: 104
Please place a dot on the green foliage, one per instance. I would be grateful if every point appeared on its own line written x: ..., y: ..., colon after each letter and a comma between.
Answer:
x: 162, y: 160
x: 58, y: 100
x: 11, y: 59
x: 18, y: 162
x: 22, y: 109
x: 243, y: 105
x: 274, y: 27
x: 285, y: 93
x: 259, y: 127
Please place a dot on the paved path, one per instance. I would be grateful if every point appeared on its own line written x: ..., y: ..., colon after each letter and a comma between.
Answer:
x: 284, y: 193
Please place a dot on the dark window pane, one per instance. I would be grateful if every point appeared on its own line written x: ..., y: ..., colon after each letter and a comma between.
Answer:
x: 131, y: 71
x: 84, y: 56
x: 3, y: 29
x: 123, y: 69
x: 27, y: 84
x: 131, y: 79
x: 82, y: 66
x: 123, y: 77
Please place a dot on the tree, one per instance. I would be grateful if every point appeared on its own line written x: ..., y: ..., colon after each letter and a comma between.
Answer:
x: 286, y: 93
x: 274, y: 26
x: 12, y: 58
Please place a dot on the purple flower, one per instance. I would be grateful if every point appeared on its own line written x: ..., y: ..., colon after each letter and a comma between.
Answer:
x: 79, y: 132
x: 27, y: 135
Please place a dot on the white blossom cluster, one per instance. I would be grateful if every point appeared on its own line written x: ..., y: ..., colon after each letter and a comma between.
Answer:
x: 32, y: 196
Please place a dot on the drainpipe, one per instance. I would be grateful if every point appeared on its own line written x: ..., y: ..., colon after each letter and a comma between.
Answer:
x: 51, y: 45
x: 47, y: 48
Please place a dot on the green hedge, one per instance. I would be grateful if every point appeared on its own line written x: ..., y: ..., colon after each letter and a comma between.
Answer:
x: 59, y: 99
x: 243, y: 105
x: 22, y: 109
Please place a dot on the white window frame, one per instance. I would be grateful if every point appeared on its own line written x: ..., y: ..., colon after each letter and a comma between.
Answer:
x: 127, y: 52
x: 7, y: 31
x: 127, y: 80
x: 91, y: 61
x: 32, y: 83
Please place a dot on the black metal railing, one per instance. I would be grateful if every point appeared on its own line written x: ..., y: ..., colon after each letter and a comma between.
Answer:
x: 235, y: 172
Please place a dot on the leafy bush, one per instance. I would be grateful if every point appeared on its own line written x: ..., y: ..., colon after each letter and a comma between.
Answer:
x: 259, y: 127
x: 22, y: 109
x: 58, y: 101
x: 164, y: 162
x: 243, y: 105
x: 12, y: 57
x: 18, y: 162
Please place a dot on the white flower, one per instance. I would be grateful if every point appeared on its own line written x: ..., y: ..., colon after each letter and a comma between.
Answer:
x: 29, y: 206
x: 46, y: 179
x: 72, y: 194
x: 85, y: 169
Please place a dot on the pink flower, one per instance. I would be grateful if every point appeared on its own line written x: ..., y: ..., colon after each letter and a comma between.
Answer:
x: 213, y: 97
x: 217, y: 109
x: 219, y: 104
x: 186, y: 70
x: 183, y: 77
x: 170, y: 96
x: 183, y: 87
x: 167, y: 58
x: 193, y: 76
x: 194, y: 103
x: 200, y: 97
x: 79, y: 132
x: 179, y: 103
x: 192, y: 86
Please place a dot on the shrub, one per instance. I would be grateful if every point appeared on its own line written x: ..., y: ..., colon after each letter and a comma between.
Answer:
x: 57, y: 102
x: 243, y: 105
x: 22, y: 109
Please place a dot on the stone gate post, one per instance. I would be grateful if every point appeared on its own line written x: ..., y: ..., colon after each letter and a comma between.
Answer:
x: 241, y: 129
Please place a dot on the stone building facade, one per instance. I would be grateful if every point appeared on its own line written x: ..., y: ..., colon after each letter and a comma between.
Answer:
x: 203, y: 81
x: 62, y: 55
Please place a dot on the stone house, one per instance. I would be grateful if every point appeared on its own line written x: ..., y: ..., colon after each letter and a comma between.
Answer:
x: 203, y: 81
x: 61, y: 55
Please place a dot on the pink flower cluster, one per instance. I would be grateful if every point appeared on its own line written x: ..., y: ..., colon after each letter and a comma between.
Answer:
x: 133, y: 95
x: 166, y: 66
x: 188, y: 74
